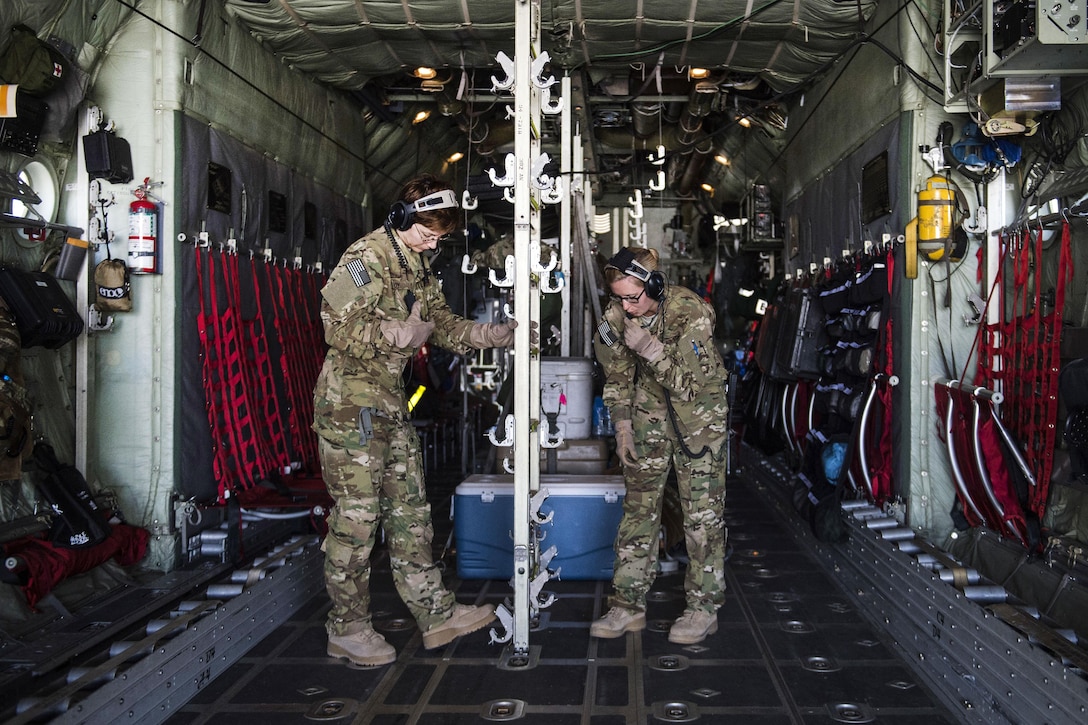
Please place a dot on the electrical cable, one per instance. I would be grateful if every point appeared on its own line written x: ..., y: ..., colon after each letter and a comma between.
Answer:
x: 195, y: 42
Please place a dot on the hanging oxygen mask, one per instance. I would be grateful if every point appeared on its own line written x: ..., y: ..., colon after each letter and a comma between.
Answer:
x: 937, y: 231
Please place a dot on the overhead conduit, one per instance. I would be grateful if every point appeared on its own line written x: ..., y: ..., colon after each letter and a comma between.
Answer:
x: 688, y: 149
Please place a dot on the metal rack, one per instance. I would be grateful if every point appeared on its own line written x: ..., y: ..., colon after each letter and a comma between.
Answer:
x: 979, y: 47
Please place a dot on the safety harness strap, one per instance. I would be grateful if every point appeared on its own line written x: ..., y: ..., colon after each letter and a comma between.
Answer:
x: 235, y: 456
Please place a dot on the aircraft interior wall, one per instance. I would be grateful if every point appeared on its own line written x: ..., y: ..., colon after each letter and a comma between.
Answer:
x: 195, y: 130
x: 241, y: 146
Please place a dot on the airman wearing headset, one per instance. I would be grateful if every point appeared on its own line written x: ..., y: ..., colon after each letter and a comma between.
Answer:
x: 665, y: 389
x: 380, y: 305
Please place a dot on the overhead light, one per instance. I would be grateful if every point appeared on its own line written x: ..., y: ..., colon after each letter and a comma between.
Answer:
x: 455, y: 157
x: 424, y: 72
x: 697, y: 73
x: 707, y: 188
x: 745, y: 121
x: 721, y: 159
x: 421, y: 117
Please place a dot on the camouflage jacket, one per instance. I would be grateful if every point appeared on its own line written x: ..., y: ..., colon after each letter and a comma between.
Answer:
x: 362, y: 369
x: 690, y: 371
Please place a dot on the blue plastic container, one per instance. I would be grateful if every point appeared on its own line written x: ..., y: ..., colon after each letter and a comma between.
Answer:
x: 586, y: 512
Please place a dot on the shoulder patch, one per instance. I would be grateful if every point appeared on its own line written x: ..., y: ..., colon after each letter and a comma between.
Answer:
x: 358, y: 272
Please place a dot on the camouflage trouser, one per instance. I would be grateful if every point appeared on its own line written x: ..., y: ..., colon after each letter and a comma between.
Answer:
x: 701, y: 482
x: 380, y: 484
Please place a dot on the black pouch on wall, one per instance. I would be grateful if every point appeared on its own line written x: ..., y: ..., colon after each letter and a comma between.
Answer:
x: 108, y: 157
x: 43, y: 313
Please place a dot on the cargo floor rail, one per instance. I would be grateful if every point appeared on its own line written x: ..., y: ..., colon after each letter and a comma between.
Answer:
x: 988, y: 659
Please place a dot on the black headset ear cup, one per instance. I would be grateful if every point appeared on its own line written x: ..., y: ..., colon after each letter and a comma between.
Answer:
x: 401, y: 216
x: 655, y: 286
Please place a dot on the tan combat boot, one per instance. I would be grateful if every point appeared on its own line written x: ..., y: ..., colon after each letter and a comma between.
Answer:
x: 464, y: 619
x: 366, y: 648
x: 693, y: 627
x: 616, y: 622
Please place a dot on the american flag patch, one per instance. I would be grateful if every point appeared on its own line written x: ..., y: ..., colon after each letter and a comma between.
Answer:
x: 358, y: 272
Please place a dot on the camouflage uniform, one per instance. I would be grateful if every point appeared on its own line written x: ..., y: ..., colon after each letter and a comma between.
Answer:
x: 370, y: 453
x: 692, y: 375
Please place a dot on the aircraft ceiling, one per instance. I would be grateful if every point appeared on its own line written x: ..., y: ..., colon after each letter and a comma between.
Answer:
x: 629, y: 62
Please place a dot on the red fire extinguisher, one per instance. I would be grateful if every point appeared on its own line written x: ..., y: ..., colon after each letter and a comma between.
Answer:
x: 143, y: 230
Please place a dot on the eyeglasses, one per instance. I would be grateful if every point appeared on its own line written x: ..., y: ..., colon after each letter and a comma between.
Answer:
x: 632, y: 299
x: 428, y: 236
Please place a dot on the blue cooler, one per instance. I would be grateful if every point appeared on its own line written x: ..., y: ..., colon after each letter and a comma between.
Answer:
x: 586, y: 513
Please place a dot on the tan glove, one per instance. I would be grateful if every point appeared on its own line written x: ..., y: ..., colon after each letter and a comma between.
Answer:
x: 412, y: 332
x: 494, y: 334
x: 625, y: 443
x: 641, y: 341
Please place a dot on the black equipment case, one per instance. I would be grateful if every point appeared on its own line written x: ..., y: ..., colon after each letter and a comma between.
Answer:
x: 43, y: 312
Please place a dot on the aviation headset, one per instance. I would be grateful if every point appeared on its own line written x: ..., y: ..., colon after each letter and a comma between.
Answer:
x: 654, y: 282
x: 402, y: 214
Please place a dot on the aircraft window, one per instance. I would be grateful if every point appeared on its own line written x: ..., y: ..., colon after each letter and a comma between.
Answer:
x: 40, y: 177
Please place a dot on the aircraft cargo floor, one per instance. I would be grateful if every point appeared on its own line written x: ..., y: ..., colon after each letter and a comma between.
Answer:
x: 791, y: 647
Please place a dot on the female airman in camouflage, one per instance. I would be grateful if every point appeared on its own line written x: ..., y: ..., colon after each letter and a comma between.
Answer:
x: 665, y: 388
x: 380, y: 305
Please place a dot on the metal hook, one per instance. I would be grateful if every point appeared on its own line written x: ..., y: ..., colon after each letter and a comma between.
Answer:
x: 534, y: 507
x: 508, y: 179
x: 541, y: 179
x: 553, y: 195
x: 505, y: 619
x: 534, y: 250
x: 546, y: 438
x: 507, y: 65
x: 508, y: 280
x: 508, y: 424
x: 537, y: 69
x: 660, y: 185
x: 547, y: 106
x: 546, y: 285
x: 467, y: 265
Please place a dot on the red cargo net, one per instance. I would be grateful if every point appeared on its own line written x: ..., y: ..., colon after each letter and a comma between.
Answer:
x: 251, y: 405
x: 1019, y: 355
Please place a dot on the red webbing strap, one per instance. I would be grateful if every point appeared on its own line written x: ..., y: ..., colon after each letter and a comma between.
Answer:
x: 315, y: 349
x: 997, y: 472
x: 963, y: 440
x: 235, y: 462
x: 1022, y: 330
x: 801, y: 398
x: 880, y: 460
x: 244, y: 432
x: 993, y: 340
x: 261, y: 381
x: 308, y: 299
x: 1043, y: 464
x: 294, y: 322
x: 1029, y: 344
x: 205, y: 327
x: 944, y: 397
x: 291, y: 360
